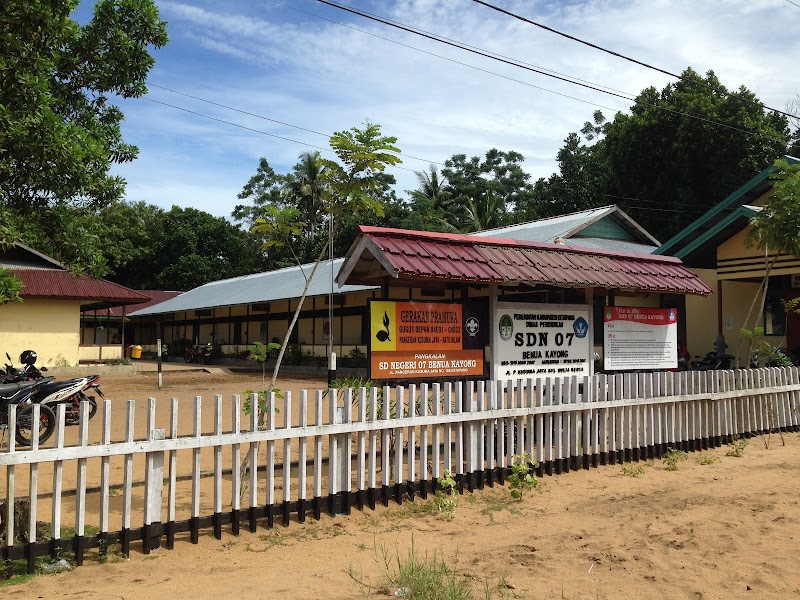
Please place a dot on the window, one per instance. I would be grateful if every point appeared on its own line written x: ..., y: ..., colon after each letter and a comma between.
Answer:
x: 774, y: 315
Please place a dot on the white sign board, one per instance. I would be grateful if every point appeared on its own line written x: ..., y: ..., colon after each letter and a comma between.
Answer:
x: 541, y: 340
x: 640, y: 338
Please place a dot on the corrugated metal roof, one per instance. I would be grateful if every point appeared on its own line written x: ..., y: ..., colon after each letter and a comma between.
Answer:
x: 282, y: 284
x: 573, y: 228
x: 57, y: 283
x: 423, y: 255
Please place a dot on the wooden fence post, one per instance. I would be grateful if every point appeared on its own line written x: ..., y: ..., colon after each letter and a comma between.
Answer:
x: 153, y: 485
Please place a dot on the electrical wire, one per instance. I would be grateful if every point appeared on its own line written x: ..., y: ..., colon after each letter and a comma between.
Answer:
x: 522, y: 66
x: 259, y: 131
x: 617, y: 54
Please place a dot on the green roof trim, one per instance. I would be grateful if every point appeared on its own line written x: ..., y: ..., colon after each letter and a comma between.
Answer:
x: 743, y: 211
x: 605, y: 228
x: 715, y: 210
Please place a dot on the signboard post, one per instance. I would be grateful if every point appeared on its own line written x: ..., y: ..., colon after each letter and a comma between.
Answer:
x: 640, y: 338
x: 548, y: 340
x: 424, y: 340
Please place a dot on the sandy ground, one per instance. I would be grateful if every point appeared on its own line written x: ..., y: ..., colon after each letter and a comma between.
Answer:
x: 727, y: 529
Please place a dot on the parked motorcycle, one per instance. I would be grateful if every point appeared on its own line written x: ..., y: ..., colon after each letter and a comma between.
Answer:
x: 70, y: 392
x: 713, y: 361
x: 199, y: 353
x: 20, y: 394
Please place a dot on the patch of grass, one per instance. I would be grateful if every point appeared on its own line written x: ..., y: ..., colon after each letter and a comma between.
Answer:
x: 707, y: 459
x: 416, y: 576
x: 18, y: 579
x: 69, y: 531
x: 738, y: 444
x: 632, y: 471
x: 672, y: 457
x: 289, y: 537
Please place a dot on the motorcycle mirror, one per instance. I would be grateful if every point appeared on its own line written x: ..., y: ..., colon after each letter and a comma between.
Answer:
x: 9, y: 358
x: 43, y: 368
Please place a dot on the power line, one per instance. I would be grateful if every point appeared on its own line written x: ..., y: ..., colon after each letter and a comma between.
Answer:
x: 522, y: 66
x: 795, y: 3
x: 259, y: 131
x: 613, y: 53
x: 380, y: 37
x: 250, y: 114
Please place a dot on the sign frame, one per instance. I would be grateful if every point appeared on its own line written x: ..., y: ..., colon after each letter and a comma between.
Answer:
x: 425, y: 340
x: 564, y: 360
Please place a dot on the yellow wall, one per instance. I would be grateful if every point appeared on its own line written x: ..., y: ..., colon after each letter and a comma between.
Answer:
x: 701, y: 316
x: 736, y: 261
x: 50, y: 327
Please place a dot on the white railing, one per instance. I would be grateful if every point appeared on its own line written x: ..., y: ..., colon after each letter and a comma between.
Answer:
x: 156, y: 477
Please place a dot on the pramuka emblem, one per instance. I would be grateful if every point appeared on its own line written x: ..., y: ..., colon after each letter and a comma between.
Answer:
x: 383, y: 334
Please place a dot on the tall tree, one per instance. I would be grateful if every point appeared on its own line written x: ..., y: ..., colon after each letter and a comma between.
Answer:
x: 683, y: 149
x: 197, y: 248
x: 498, y: 180
x: 352, y: 185
x: 349, y: 186
x: 59, y: 132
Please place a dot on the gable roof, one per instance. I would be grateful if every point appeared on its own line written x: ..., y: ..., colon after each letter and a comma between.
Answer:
x: 603, y: 228
x: 691, y: 244
x: 59, y: 284
x: 20, y: 256
x: 283, y: 284
x: 415, y: 256
x: 43, y: 277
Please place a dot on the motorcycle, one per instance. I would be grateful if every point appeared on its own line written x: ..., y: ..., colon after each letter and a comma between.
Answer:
x: 20, y: 394
x: 199, y: 353
x: 713, y: 361
x: 70, y: 392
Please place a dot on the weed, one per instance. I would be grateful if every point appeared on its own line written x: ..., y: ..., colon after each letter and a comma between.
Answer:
x: 521, y: 479
x: 707, y: 459
x: 738, y: 444
x: 672, y: 457
x: 446, y: 498
x: 416, y: 576
x: 630, y: 471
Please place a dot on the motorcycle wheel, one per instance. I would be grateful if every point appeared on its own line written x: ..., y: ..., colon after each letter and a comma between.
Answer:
x: 24, y: 432
x: 92, y: 403
x: 188, y: 357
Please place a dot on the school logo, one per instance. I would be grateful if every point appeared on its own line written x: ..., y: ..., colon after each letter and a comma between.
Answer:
x: 581, y: 327
x: 506, y: 327
x: 671, y: 315
x: 472, y: 326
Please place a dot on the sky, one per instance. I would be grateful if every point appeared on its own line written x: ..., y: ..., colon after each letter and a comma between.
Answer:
x: 274, y: 78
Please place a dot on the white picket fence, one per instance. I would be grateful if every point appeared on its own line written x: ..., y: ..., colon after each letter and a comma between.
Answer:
x: 168, y: 479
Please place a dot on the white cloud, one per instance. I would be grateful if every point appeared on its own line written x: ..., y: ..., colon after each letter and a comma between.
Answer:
x: 273, y: 61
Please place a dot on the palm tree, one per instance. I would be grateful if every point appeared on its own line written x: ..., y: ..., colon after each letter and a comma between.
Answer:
x: 432, y: 196
x: 487, y: 212
x: 304, y: 189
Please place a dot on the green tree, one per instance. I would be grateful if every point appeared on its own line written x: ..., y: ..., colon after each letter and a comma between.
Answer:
x: 775, y: 229
x: 352, y: 185
x: 59, y: 131
x: 496, y: 181
x: 132, y: 231
x: 670, y: 160
x: 196, y: 247
x: 430, y: 200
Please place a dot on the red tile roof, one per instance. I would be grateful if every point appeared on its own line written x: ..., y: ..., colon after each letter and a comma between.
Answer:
x: 424, y: 255
x: 57, y: 283
x: 156, y: 297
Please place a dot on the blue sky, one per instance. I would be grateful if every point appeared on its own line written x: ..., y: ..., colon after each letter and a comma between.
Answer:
x: 313, y: 67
